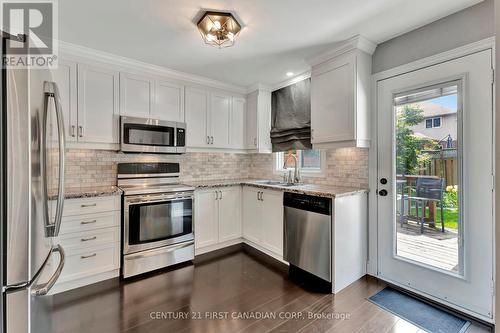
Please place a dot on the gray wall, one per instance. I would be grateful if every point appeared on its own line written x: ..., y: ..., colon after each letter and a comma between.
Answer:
x: 464, y: 27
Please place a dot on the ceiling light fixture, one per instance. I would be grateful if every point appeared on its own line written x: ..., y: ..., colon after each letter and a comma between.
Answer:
x: 218, y: 29
x: 289, y: 74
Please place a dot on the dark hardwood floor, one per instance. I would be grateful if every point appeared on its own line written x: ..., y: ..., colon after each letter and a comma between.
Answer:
x: 233, y: 286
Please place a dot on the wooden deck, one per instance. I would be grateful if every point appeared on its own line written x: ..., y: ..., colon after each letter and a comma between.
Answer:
x: 433, y: 247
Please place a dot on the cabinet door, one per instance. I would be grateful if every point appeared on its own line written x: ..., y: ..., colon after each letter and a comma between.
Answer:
x: 98, y: 114
x: 332, y: 101
x: 238, y: 123
x: 196, y: 117
x: 252, y: 215
x: 169, y: 103
x: 251, y: 121
x: 136, y: 95
x: 205, y: 219
x: 229, y: 213
x: 220, y: 117
x: 65, y: 77
x: 272, y: 221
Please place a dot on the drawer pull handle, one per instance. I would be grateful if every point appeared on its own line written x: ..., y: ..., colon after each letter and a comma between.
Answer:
x: 89, y: 256
x: 88, y: 222
x: 89, y: 205
x: 88, y: 239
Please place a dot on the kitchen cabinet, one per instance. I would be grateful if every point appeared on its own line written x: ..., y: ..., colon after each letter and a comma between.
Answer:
x: 98, y: 112
x: 258, y: 121
x: 340, y: 97
x: 206, y: 218
x: 252, y: 214
x: 217, y: 216
x: 219, y: 120
x: 196, y: 110
x: 169, y: 101
x: 238, y: 123
x: 136, y: 95
x: 65, y: 77
x: 272, y: 221
x: 90, y: 237
x: 263, y: 218
x: 229, y: 213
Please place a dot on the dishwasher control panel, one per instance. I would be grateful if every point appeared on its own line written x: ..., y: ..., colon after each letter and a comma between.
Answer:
x: 309, y: 203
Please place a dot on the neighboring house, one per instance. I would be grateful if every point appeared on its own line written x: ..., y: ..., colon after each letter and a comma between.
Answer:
x: 439, y: 122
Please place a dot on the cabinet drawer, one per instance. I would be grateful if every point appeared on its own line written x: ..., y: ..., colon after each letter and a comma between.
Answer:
x: 85, y: 262
x: 88, y: 205
x: 92, y: 238
x: 80, y: 223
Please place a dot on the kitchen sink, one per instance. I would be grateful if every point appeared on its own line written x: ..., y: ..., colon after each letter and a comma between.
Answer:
x: 277, y: 183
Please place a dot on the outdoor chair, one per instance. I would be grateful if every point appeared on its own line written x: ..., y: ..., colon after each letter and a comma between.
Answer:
x: 428, y: 190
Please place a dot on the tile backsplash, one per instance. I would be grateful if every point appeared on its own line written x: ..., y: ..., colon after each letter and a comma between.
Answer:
x: 86, y: 168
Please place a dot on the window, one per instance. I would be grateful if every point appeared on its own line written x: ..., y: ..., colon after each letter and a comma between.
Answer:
x: 311, y: 162
x: 433, y: 122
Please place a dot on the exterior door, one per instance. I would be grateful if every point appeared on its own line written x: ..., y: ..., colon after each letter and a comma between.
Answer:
x: 435, y: 182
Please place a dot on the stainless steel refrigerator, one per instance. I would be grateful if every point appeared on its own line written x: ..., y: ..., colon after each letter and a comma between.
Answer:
x: 32, y: 185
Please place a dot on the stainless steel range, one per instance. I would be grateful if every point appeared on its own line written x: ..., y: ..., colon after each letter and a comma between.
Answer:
x: 157, y: 217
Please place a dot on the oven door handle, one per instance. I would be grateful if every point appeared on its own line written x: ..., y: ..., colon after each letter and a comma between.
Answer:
x: 154, y: 252
x: 138, y: 202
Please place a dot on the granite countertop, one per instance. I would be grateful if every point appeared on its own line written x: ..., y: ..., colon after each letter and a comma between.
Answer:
x: 89, y: 192
x: 310, y: 189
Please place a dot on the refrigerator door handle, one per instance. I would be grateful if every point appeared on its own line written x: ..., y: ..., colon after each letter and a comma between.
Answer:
x: 43, y: 289
x: 51, y: 91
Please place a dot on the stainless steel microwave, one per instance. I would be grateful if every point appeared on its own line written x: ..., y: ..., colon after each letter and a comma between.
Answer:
x: 145, y: 135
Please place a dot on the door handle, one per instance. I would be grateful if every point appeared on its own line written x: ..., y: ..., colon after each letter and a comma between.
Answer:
x: 220, y: 194
x: 211, y: 140
x: 73, y: 131
x: 382, y: 193
x: 216, y: 195
x: 43, y: 289
x: 208, y: 140
x: 51, y: 91
x: 80, y: 131
x: 89, y: 256
x: 88, y: 205
x: 88, y: 239
x: 88, y: 222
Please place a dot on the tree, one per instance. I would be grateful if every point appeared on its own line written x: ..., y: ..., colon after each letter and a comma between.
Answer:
x: 409, y: 146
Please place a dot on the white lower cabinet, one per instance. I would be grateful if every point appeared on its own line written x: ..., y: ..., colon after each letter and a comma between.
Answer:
x: 217, y: 216
x: 263, y: 219
x: 90, y: 237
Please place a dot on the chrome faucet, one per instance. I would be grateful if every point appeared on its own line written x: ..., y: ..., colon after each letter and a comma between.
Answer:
x: 296, y: 173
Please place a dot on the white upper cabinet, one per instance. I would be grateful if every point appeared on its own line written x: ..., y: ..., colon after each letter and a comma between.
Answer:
x: 169, y: 101
x: 196, y: 112
x: 220, y: 118
x: 98, y: 100
x: 136, y: 95
x: 258, y: 121
x: 340, y: 95
x: 65, y: 77
x: 238, y: 131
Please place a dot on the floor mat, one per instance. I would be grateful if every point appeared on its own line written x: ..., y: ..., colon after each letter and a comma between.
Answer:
x: 421, y: 314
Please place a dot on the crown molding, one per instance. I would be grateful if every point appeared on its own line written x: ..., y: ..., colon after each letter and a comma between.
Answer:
x: 83, y: 52
x: 259, y: 87
x: 357, y: 42
x: 291, y: 81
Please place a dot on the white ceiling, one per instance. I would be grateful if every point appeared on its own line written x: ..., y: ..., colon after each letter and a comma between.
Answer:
x: 277, y: 35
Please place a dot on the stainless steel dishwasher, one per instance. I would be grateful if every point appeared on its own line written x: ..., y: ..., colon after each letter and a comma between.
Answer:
x: 308, y: 234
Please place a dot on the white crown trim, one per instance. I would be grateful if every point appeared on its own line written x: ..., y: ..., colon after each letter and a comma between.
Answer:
x: 357, y: 42
x: 70, y: 49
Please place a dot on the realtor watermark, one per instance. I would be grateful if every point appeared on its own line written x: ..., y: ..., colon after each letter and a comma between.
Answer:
x: 33, y: 33
x: 248, y: 315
